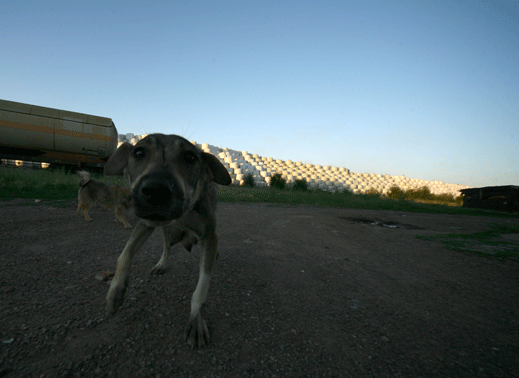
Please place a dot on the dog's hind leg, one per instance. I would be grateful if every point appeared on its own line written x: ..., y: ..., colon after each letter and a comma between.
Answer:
x: 85, y: 212
x: 170, y: 236
x: 119, y: 217
x: 197, y: 333
x: 115, y: 296
x: 81, y: 208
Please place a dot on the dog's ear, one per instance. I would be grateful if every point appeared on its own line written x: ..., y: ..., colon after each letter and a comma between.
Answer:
x: 117, y: 162
x: 220, y: 174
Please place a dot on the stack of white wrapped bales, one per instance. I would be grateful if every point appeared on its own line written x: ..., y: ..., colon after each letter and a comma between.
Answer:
x: 333, y: 179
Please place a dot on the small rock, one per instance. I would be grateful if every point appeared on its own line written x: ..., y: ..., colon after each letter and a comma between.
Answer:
x: 384, y: 339
x: 104, y: 276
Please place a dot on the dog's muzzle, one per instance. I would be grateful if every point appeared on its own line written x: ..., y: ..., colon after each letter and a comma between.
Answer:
x: 157, y: 197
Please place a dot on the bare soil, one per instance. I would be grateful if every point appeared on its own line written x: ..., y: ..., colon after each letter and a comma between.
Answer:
x: 297, y: 292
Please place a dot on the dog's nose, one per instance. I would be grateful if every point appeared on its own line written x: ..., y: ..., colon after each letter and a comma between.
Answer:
x: 156, y: 192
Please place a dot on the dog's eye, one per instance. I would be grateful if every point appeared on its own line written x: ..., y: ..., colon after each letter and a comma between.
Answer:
x: 139, y: 153
x: 189, y: 157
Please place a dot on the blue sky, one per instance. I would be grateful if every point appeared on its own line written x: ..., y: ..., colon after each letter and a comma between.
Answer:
x: 425, y: 89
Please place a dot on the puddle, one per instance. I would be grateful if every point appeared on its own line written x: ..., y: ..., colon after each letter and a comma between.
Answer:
x: 385, y: 224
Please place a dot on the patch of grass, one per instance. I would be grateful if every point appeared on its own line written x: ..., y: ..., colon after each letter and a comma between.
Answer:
x: 395, y: 193
x: 248, y: 181
x: 58, y: 185
x: 372, y: 192
x: 502, y: 228
x: 344, y: 199
x: 300, y: 185
x: 41, y: 184
x: 44, y: 184
x: 486, y: 243
x: 277, y: 181
x: 423, y: 195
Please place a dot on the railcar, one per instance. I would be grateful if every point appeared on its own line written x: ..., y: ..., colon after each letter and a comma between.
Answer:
x: 59, y: 137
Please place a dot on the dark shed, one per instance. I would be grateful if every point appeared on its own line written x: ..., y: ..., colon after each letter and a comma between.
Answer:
x: 500, y: 198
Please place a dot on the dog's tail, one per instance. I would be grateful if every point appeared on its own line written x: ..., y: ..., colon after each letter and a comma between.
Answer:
x: 84, y: 178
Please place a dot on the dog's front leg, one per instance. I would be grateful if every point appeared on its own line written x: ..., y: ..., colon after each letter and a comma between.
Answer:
x: 197, y: 333
x: 115, y: 296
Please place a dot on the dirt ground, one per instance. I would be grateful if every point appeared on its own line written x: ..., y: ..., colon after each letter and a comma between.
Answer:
x: 297, y: 292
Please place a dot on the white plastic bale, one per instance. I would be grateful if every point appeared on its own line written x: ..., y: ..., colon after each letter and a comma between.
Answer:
x: 261, y: 167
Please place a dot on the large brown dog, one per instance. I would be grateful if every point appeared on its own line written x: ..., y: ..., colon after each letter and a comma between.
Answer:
x: 172, y: 187
x: 114, y: 197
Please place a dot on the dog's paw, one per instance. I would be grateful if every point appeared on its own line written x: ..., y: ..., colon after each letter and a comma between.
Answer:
x: 197, y: 334
x: 114, y: 299
x: 158, y: 270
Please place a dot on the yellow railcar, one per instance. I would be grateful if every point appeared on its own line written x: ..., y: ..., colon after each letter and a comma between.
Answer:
x: 40, y: 134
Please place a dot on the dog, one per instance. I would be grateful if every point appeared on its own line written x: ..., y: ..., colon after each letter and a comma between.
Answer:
x: 172, y: 187
x: 92, y: 191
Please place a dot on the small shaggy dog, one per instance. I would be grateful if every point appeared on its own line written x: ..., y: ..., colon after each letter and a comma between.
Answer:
x: 114, y: 197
